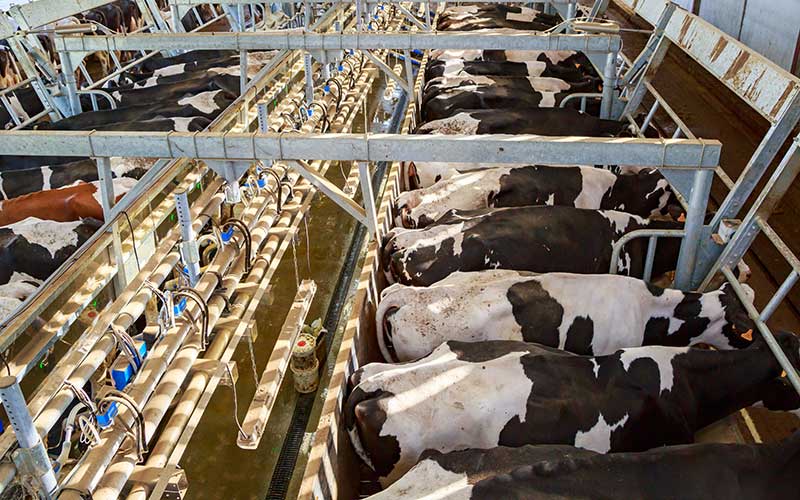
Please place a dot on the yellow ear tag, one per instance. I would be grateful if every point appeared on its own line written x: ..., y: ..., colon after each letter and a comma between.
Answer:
x: 748, y: 335
x: 682, y: 218
x: 783, y: 374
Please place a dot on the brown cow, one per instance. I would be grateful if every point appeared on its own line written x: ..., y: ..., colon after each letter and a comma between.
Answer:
x: 66, y: 204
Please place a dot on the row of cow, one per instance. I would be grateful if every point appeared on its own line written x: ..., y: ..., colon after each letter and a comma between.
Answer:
x: 516, y: 366
x: 49, y: 206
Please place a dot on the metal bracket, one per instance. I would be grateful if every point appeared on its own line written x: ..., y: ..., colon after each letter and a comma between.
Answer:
x: 176, y: 481
x: 258, y: 414
x: 386, y: 69
x: 331, y: 190
x: 210, y: 366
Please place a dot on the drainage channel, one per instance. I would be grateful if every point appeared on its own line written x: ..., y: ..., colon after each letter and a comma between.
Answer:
x: 287, y: 460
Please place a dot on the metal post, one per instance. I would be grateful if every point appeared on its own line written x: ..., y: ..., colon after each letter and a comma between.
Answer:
x: 243, y: 85
x: 776, y: 299
x: 359, y: 16
x: 571, y: 9
x: 31, y: 457
x: 188, y: 247
x: 369, y: 198
x: 177, y: 24
x: 409, y: 74
x: 263, y: 118
x: 651, y: 256
x: 698, y: 201
x: 309, y: 79
x: 326, y: 70
x: 107, y: 200
x: 609, y: 82
x: 427, y: 7
x: 240, y: 15
x: 71, y: 84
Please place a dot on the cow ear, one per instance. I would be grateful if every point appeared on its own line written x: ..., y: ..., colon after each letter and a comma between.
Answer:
x: 676, y: 212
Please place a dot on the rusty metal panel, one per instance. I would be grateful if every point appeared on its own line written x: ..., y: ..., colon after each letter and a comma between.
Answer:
x: 764, y: 85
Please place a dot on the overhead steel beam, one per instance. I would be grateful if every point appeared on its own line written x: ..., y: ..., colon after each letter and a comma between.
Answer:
x: 300, y: 40
x: 670, y: 153
x: 335, y: 2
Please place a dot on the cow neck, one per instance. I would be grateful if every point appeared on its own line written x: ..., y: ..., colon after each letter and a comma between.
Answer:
x: 726, y: 381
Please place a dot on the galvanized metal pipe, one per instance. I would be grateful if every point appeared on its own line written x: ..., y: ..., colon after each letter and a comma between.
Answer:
x: 693, y: 227
x: 32, y: 454
x: 776, y: 299
x: 609, y: 84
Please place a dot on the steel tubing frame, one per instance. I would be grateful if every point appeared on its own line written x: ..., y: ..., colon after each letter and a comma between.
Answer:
x: 307, y: 40
x: 154, y: 412
x: 160, y: 457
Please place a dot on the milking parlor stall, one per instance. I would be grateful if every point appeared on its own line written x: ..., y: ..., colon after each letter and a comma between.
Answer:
x: 396, y: 249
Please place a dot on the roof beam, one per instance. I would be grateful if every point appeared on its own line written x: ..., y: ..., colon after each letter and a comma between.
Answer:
x: 524, y: 149
x: 298, y: 39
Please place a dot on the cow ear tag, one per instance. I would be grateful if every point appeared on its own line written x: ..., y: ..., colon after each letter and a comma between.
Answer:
x: 682, y: 218
x: 748, y: 335
x: 783, y: 374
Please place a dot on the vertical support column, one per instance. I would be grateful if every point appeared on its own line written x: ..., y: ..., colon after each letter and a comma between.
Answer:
x: 698, y: 201
x: 609, y: 83
x: 31, y: 457
x: 71, y: 84
x: 409, y: 74
x: 368, y: 197
x: 572, y: 7
x: 177, y: 24
x: 326, y: 70
x: 263, y: 125
x: 188, y: 247
x: 242, y: 18
x: 243, y: 85
x: 359, y: 15
x: 309, y: 71
x: 427, y: 6
x: 107, y: 200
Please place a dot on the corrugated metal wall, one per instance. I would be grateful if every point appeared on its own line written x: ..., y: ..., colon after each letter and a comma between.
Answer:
x: 771, y: 27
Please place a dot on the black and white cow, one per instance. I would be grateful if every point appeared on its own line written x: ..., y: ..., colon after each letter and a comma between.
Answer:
x: 13, y: 294
x: 504, y: 393
x: 444, y: 97
x: 581, y: 313
x: 36, y: 248
x: 207, y: 104
x: 451, y: 68
x: 541, y: 121
x: 527, y: 19
x: 644, y: 194
x: 540, y: 239
x: 15, y: 183
x: 556, y: 472
x: 566, y: 58
x: 178, y: 123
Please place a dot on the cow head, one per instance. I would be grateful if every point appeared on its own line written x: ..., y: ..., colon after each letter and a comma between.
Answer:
x: 738, y: 327
x: 412, y: 176
x: 404, y: 203
x: 387, y: 250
